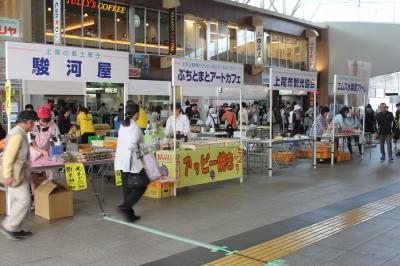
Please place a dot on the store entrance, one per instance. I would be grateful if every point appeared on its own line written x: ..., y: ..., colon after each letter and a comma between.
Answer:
x: 111, y: 95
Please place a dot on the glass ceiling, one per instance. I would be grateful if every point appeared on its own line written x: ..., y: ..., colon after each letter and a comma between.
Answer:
x: 384, y: 11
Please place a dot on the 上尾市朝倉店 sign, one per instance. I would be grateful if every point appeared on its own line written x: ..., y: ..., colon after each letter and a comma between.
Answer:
x: 292, y: 79
x: 198, y: 73
x: 349, y: 84
x: 31, y: 61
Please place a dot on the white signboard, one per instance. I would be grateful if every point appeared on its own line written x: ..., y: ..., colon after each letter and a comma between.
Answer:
x: 30, y: 61
x: 292, y: 79
x: 349, y: 84
x: 198, y: 73
x: 9, y: 28
x: 312, y: 52
x: 57, y: 21
x: 259, y: 45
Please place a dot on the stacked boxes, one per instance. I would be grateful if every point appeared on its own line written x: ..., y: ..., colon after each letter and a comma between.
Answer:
x: 159, y: 189
x: 324, y: 150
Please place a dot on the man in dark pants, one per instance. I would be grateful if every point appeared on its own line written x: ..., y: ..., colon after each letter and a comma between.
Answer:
x: 386, y: 128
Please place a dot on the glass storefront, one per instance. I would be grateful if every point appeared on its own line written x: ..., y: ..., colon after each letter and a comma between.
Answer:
x: 197, y: 38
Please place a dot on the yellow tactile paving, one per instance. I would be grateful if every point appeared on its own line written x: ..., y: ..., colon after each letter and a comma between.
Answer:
x: 284, y: 245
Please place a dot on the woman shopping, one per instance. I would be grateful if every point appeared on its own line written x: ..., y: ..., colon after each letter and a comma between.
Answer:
x: 127, y: 160
x: 85, y: 122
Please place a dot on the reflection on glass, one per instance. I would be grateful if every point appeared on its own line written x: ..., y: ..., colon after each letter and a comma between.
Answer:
x: 49, y: 21
x: 223, y: 42
x: 297, y: 54
x: 107, y: 20
x: 190, y: 38
x: 91, y: 27
x: 304, y: 56
x: 274, y: 50
x: 73, y: 25
x: 179, y: 36
x: 213, y: 41
x: 282, y: 50
x: 122, y: 30
x: 241, y: 45
x: 232, y: 55
x: 164, y: 33
x: 139, y: 30
x: 151, y: 32
x: 290, y: 42
x: 251, y: 47
x: 201, y: 39
x: 267, y: 38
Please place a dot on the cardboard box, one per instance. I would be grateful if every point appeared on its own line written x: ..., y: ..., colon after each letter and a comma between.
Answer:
x: 53, y: 200
x: 3, y: 202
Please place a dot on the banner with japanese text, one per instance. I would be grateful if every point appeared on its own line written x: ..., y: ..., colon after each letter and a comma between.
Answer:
x: 349, y: 85
x: 76, y: 176
x: 9, y: 28
x: 198, y: 73
x: 293, y: 80
x: 29, y: 61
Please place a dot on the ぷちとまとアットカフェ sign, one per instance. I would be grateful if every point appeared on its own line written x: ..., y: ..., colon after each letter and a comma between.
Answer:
x: 198, y: 73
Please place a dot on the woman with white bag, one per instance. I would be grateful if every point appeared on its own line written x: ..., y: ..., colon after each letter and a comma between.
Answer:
x: 131, y: 160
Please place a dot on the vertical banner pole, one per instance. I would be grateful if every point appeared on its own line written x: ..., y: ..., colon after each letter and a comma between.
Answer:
x: 174, y: 113
x: 333, y: 123
x: 363, y: 130
x: 241, y: 125
x: 315, y: 132
x: 270, y: 124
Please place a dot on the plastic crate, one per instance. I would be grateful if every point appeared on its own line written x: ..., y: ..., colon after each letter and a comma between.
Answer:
x: 159, y: 189
x: 343, y: 156
x: 91, y: 138
x: 304, y: 153
x: 283, y: 156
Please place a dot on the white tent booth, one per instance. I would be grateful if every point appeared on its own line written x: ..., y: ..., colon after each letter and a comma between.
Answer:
x: 293, y: 80
x: 344, y: 85
x: 63, y: 70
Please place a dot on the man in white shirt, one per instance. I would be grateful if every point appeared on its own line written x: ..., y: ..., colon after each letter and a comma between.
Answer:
x: 182, y: 123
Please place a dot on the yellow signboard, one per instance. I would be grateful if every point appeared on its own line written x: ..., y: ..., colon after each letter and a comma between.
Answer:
x: 8, y: 98
x: 76, y: 176
x: 118, y: 178
x: 192, y: 168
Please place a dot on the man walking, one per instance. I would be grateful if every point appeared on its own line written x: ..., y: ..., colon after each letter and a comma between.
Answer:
x: 14, y: 174
x: 386, y: 129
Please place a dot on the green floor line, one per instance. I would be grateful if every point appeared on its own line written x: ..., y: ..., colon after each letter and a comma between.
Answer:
x: 210, y: 247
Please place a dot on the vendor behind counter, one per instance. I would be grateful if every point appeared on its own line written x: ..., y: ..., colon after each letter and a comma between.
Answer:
x: 182, y: 124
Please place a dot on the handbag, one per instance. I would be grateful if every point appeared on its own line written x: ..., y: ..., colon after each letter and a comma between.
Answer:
x: 149, y: 163
x: 137, y: 180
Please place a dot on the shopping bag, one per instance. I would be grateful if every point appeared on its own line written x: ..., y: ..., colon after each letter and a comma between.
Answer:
x: 149, y: 161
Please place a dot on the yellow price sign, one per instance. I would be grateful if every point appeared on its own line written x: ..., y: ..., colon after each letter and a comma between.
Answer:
x: 118, y: 178
x: 76, y: 176
x: 8, y: 98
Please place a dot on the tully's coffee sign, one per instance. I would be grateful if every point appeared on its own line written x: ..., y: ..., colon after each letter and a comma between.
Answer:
x: 95, y: 4
x: 172, y: 31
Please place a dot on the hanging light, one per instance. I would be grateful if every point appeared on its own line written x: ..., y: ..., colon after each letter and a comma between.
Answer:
x: 49, y: 9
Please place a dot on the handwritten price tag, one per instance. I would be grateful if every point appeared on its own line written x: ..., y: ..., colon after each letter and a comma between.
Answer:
x: 118, y: 178
x: 76, y: 176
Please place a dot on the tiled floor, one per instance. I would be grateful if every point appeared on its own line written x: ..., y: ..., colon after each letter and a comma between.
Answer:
x: 293, y: 198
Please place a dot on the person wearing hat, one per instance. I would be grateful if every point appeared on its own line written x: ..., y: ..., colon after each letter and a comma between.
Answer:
x: 295, y: 120
x: 16, y: 156
x: 181, y: 121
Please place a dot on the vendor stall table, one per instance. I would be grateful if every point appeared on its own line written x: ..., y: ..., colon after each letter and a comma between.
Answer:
x: 213, y: 134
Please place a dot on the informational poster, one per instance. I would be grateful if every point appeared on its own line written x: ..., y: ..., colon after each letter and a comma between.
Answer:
x: 13, y: 115
x: 293, y: 80
x: 118, y: 178
x: 31, y: 61
x: 76, y: 176
x: 9, y: 28
x: 198, y: 73
x: 8, y: 98
x: 349, y: 85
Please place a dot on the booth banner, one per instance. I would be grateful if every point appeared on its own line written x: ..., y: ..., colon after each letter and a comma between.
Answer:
x: 57, y: 21
x: 292, y: 79
x: 9, y: 28
x: 198, y: 73
x: 76, y: 176
x: 259, y: 45
x: 29, y: 61
x: 349, y: 85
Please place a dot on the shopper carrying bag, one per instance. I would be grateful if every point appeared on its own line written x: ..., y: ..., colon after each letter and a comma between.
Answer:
x: 129, y: 161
